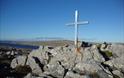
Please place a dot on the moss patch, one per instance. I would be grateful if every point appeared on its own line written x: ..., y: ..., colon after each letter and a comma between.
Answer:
x: 108, y: 53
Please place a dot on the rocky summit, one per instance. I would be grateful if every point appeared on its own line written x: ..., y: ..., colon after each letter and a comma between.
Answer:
x: 94, y: 61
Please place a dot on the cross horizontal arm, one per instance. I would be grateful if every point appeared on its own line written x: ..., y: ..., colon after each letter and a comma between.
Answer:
x: 70, y: 24
x: 83, y: 22
x: 78, y: 23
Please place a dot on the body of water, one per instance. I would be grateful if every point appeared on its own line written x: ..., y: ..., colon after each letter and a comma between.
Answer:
x: 18, y: 45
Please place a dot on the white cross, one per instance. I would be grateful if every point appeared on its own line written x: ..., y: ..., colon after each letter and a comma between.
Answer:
x: 76, y: 24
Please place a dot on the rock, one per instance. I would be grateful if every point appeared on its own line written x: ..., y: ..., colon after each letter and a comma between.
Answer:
x: 117, y: 63
x: 118, y: 50
x: 7, y: 53
x: 86, y: 55
x: 20, y: 65
x: 91, y: 68
x: 36, y: 53
x: 54, y: 51
x: 108, y: 48
x: 43, y: 53
x: 38, y: 59
x: 65, y: 55
x: 85, y: 67
x: 55, y: 69
x: 92, y: 53
x: 102, y: 74
x: 103, y: 46
x: 118, y: 74
x: 71, y: 74
x: 96, y: 54
x: 63, y: 59
x: 64, y: 62
x: 20, y: 60
x: 105, y: 51
x: 36, y: 65
x: 12, y: 53
x: 22, y: 69
x: 29, y: 75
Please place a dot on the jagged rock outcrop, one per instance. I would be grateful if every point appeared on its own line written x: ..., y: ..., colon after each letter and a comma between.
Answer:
x: 64, y: 62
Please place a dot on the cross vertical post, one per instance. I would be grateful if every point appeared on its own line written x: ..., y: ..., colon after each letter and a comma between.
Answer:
x: 76, y: 24
x: 76, y: 29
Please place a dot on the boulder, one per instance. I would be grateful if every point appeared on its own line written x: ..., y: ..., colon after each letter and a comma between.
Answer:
x: 91, y: 69
x: 91, y: 53
x: 39, y: 58
x: 36, y: 61
x: 20, y: 60
x: 118, y: 74
x: 96, y: 54
x: 65, y: 55
x: 117, y: 63
x: 43, y: 53
x: 86, y: 67
x: 118, y: 50
x: 55, y: 69
x: 36, y: 65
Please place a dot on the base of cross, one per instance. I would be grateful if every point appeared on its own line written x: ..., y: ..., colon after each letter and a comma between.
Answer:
x: 79, y: 54
x: 77, y: 49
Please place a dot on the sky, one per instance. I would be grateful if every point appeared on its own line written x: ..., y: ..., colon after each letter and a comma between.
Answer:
x: 30, y: 19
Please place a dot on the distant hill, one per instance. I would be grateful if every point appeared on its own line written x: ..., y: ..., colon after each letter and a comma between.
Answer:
x: 40, y: 43
x: 46, y: 42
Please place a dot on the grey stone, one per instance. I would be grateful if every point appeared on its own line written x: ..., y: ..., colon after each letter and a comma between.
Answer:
x: 29, y: 75
x: 96, y: 54
x: 117, y: 63
x: 7, y: 53
x: 65, y: 55
x: 90, y: 68
x: 86, y: 67
x: 55, y: 69
x: 117, y: 49
x: 70, y: 74
x: 118, y: 73
x: 20, y: 60
x: 38, y: 59
x: 91, y: 53
x: 35, y: 66
x: 35, y: 59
